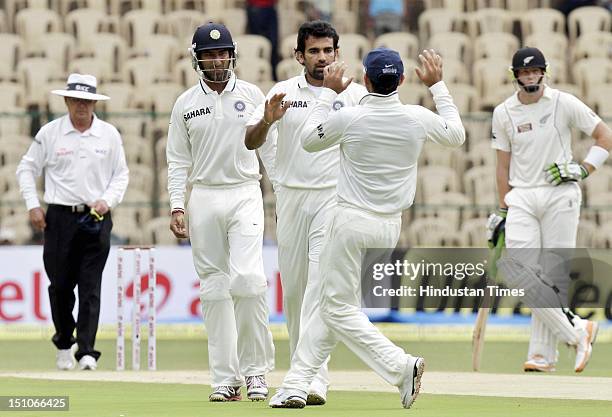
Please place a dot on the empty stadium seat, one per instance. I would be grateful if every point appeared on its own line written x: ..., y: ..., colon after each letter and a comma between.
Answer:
x: 553, y: 45
x: 589, y: 73
x: 33, y: 24
x: 588, y: 19
x: 233, y: 18
x: 433, y: 180
x: 593, y: 45
x: 287, y: 46
x: 354, y: 46
x: 492, y: 81
x: 602, y: 101
x: 253, y: 46
x: 452, y: 45
x: 184, y: 74
x: 84, y: 25
x: 496, y: 45
x: 473, y: 233
x: 137, y: 26
x: 183, y: 23
x: 479, y: 184
x: 542, y: 21
x: 138, y: 151
x: 587, y: 232
x: 113, y: 49
x: 428, y: 232
x: 60, y: 47
x: 412, y: 93
x: 100, y: 68
x: 405, y: 43
x: 12, y: 49
x: 345, y: 21
x: 35, y: 74
x: 433, y: 21
x: 465, y: 97
x: 288, y: 68
x: 489, y: 20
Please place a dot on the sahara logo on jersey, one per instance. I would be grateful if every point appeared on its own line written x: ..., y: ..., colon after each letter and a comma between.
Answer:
x: 296, y: 103
x: 195, y: 113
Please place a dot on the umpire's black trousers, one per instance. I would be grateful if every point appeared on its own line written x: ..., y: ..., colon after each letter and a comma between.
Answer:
x: 73, y: 257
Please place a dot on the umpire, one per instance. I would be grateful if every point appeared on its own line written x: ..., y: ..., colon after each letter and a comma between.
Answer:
x: 85, y: 175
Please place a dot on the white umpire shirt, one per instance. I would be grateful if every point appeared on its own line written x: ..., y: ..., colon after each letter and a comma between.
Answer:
x: 380, y: 142
x: 80, y: 168
x: 294, y: 167
x: 539, y: 134
x: 206, y: 137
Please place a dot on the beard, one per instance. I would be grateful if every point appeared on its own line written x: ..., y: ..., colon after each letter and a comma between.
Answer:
x: 316, y: 73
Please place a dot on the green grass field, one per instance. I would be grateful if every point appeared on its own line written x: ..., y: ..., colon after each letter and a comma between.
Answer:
x: 150, y: 400
x: 122, y: 399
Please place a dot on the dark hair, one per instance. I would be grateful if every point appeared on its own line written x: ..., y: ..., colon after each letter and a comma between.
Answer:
x: 317, y: 29
x: 385, y: 84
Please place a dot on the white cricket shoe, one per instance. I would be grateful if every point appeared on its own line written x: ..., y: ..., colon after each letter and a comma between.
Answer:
x: 410, y: 386
x: 88, y: 363
x: 584, y: 348
x: 538, y: 364
x: 288, y: 399
x: 225, y: 393
x: 64, y: 359
x: 257, y: 389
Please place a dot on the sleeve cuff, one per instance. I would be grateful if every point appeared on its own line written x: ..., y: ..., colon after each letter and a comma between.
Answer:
x: 439, y: 88
x: 175, y: 205
x: 32, y: 203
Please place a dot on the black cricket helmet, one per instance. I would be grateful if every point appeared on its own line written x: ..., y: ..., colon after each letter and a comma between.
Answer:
x: 528, y: 57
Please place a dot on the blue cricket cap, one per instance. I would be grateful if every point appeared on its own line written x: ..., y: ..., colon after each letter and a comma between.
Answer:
x: 383, y: 62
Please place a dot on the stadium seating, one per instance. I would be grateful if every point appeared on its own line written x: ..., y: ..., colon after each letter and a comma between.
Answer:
x: 138, y: 50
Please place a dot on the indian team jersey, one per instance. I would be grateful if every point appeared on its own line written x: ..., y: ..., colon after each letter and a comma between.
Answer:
x: 293, y: 166
x: 206, y: 138
x: 539, y: 134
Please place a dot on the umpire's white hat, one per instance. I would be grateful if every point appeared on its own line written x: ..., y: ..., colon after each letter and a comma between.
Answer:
x: 81, y: 86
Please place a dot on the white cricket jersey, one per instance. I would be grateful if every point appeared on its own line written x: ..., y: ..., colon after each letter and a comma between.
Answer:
x: 380, y: 142
x: 206, y: 138
x: 80, y: 168
x: 539, y: 134
x: 294, y: 167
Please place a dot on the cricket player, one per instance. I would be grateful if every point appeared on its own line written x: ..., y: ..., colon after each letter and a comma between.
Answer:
x: 539, y: 195
x: 206, y: 149
x: 305, y: 184
x: 380, y: 141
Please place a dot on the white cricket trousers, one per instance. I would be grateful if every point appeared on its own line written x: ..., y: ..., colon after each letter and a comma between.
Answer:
x: 339, y: 316
x: 545, y: 217
x: 226, y: 230
x: 302, y: 216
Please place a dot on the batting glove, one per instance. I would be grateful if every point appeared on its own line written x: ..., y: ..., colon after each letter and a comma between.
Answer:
x: 565, y: 172
x: 496, y: 227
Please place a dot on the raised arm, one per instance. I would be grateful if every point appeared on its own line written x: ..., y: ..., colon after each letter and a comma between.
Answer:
x: 274, y: 110
x: 444, y: 128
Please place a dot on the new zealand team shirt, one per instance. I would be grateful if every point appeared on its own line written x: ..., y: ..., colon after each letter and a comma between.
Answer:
x: 293, y: 166
x: 80, y: 167
x: 539, y: 134
x: 206, y: 138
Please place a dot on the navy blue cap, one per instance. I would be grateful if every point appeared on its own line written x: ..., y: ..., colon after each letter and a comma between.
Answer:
x: 383, y: 62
